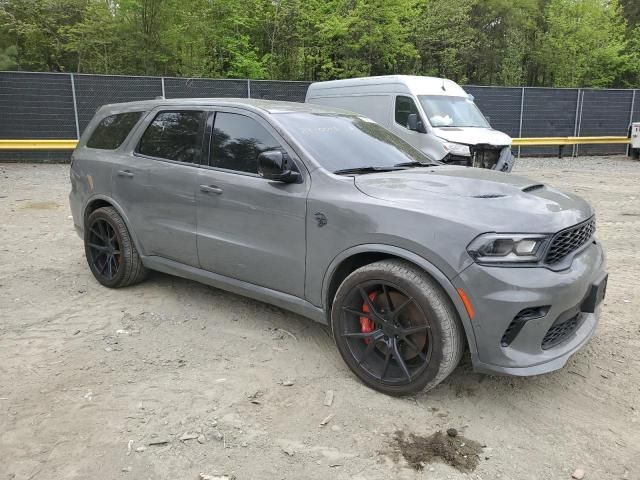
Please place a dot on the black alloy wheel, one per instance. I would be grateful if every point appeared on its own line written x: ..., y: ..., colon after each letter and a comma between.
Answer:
x: 110, y: 251
x: 387, y: 332
x: 104, y: 248
x: 396, y: 328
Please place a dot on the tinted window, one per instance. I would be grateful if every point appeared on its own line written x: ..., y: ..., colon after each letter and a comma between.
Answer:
x: 112, y: 130
x: 404, y: 107
x: 339, y: 141
x: 174, y: 136
x: 237, y: 141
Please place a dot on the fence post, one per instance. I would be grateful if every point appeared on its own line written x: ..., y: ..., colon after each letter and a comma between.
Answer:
x: 578, y: 124
x: 633, y: 107
x: 575, y: 125
x: 75, y: 105
x: 162, y: 82
x: 521, y: 116
x: 248, y: 88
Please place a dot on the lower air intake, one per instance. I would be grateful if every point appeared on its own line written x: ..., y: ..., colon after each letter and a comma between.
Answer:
x: 560, y: 332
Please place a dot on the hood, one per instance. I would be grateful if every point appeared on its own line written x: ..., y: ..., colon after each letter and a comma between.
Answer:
x: 487, y: 200
x: 473, y: 136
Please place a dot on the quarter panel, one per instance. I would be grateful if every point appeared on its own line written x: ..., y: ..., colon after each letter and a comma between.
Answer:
x: 90, y: 175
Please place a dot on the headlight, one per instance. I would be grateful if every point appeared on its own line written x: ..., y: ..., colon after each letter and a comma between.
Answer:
x: 457, y: 149
x: 508, y: 248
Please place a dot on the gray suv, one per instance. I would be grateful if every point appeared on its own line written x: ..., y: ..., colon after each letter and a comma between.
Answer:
x: 327, y: 214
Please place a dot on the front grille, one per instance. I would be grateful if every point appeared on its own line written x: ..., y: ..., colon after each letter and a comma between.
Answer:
x: 559, y: 332
x: 569, y: 240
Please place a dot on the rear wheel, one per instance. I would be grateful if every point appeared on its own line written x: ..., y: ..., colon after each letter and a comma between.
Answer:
x: 395, y: 328
x: 111, y: 254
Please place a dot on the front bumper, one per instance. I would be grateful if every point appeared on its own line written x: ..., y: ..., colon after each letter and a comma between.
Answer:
x: 500, y: 159
x: 499, y: 294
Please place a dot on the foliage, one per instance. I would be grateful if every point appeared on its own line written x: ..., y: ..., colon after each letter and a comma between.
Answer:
x: 584, y: 43
x: 500, y: 42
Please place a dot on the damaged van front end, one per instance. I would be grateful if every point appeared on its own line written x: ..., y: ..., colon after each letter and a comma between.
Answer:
x: 492, y: 157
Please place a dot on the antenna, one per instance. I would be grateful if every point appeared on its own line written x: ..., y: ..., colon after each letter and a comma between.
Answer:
x: 444, y: 89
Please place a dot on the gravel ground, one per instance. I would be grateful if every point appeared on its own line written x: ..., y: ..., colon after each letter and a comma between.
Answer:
x: 170, y: 378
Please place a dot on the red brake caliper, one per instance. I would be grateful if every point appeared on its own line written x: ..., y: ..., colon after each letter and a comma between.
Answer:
x: 366, y: 324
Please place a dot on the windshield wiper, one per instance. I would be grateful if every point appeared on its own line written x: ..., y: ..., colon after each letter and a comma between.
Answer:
x: 417, y: 164
x: 369, y: 169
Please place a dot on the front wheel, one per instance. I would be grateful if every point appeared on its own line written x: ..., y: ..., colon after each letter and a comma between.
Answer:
x: 396, y: 328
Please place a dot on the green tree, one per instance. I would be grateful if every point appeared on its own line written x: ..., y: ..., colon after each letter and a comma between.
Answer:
x: 631, y: 10
x: 584, y: 44
x: 36, y: 29
x: 444, y: 37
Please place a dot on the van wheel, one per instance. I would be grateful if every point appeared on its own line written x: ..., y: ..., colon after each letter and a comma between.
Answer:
x: 396, y: 328
x: 111, y: 254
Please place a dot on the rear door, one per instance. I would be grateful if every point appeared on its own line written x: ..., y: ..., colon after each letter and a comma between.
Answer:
x: 164, y: 167
x: 249, y: 228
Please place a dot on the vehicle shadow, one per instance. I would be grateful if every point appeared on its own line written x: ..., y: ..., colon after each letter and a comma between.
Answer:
x: 250, y: 314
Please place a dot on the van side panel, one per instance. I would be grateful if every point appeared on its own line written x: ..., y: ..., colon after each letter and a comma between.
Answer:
x: 376, y: 107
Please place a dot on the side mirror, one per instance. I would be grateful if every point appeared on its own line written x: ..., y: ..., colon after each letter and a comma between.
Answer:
x: 276, y: 165
x: 488, y: 119
x: 414, y: 123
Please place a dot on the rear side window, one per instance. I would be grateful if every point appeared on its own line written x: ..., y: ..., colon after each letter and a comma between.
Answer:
x: 112, y: 130
x: 237, y: 141
x: 175, y: 135
x: 404, y: 107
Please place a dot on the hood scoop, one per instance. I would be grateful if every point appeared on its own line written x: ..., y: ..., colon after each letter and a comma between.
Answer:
x: 532, y: 188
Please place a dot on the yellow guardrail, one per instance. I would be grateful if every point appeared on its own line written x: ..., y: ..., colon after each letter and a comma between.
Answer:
x: 38, y: 144
x: 546, y: 141
x: 517, y: 142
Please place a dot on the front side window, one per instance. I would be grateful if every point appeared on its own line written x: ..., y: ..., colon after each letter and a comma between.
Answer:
x: 405, y: 106
x: 237, y: 141
x: 343, y: 141
x: 113, y: 130
x: 175, y: 135
x: 446, y: 111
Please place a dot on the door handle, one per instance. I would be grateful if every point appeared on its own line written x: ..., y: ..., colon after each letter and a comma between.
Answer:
x: 125, y: 173
x: 210, y: 189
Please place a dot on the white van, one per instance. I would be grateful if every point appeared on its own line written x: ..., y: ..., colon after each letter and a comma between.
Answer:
x: 434, y: 115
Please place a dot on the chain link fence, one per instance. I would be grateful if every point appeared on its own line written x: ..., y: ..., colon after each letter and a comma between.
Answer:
x: 58, y: 105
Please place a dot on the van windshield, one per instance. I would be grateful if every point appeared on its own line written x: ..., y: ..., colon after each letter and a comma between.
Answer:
x: 446, y: 111
x: 342, y: 141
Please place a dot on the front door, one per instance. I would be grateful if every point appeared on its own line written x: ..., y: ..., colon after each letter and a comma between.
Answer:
x: 249, y: 228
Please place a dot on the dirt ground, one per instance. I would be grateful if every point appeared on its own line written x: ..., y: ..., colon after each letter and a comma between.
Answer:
x: 171, y: 379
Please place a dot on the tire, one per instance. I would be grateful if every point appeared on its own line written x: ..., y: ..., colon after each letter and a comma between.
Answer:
x: 110, y: 251
x: 635, y: 153
x: 403, y: 299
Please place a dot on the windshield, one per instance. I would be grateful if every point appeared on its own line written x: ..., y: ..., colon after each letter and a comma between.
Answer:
x: 445, y: 111
x: 341, y: 141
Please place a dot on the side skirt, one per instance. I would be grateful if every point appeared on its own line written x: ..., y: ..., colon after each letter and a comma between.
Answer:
x: 273, y: 297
